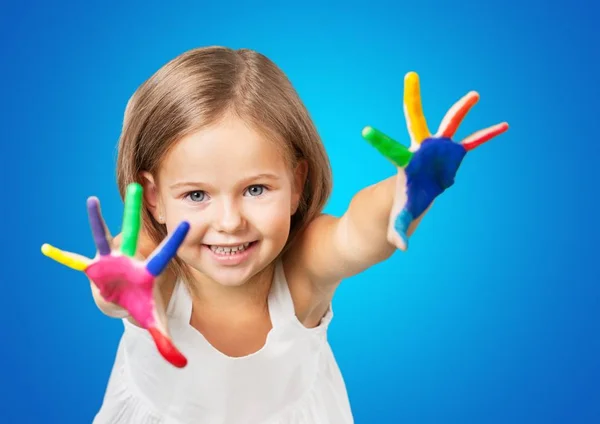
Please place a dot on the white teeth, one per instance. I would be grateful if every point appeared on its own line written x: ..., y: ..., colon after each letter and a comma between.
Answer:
x: 229, y: 250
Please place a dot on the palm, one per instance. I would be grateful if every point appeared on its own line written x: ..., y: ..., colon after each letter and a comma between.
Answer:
x: 430, y: 165
x: 124, y: 280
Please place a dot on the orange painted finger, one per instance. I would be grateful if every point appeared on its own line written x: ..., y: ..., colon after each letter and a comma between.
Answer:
x: 456, y: 114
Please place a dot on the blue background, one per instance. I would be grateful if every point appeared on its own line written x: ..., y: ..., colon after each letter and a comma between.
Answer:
x: 492, y: 316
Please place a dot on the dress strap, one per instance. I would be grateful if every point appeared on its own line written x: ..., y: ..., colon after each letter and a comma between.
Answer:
x: 180, y: 304
x: 281, y: 305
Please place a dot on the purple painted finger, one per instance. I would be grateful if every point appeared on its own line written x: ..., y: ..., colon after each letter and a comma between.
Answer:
x: 98, y: 228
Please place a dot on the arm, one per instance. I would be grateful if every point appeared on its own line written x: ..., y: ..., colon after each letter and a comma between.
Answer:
x: 362, y: 236
x: 332, y: 249
x: 359, y: 237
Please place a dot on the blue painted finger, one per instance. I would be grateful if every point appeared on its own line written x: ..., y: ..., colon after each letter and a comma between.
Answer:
x: 167, y: 251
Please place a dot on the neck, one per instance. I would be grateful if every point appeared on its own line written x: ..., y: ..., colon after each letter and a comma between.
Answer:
x: 210, y: 295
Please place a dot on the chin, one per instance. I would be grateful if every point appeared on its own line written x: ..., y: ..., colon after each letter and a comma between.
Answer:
x: 229, y: 280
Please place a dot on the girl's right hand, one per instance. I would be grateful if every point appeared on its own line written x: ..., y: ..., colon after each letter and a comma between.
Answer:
x: 126, y: 284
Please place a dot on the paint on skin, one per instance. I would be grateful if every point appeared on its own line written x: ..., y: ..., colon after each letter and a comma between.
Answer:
x: 431, y: 171
x: 159, y: 261
x: 98, y: 228
x: 125, y: 282
x: 166, y: 349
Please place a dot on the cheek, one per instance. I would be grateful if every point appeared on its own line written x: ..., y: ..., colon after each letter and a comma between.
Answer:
x: 198, y: 227
x: 272, y: 219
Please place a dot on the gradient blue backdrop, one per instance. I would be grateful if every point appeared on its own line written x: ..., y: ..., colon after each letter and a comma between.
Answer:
x: 492, y: 316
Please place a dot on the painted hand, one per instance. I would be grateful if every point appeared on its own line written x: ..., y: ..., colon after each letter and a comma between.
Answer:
x: 429, y: 166
x: 122, y: 279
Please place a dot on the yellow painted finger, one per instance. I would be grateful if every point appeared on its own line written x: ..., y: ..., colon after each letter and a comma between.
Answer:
x: 64, y: 258
x: 413, y: 110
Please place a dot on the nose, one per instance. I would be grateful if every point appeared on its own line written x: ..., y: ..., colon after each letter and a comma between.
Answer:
x: 229, y: 218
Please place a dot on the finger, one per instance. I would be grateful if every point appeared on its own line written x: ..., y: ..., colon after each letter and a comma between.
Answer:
x: 146, y: 308
x: 413, y: 110
x: 71, y: 260
x: 399, y: 231
x: 478, y: 138
x: 160, y: 333
x: 132, y: 217
x: 456, y: 114
x: 99, y: 231
x: 391, y: 149
x: 394, y: 236
x: 159, y: 260
x: 167, y: 349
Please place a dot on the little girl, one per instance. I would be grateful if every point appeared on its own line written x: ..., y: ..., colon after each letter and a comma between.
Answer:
x: 219, y: 138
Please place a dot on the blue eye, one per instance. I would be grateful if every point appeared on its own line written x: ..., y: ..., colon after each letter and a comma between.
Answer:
x: 256, y: 190
x: 196, y: 196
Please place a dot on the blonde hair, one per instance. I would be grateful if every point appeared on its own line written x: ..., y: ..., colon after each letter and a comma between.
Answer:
x: 196, y: 90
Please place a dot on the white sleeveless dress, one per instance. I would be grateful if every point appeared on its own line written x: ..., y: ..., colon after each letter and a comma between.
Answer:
x: 292, y: 379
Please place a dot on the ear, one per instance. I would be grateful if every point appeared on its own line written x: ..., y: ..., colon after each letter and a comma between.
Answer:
x: 151, y: 197
x: 300, y: 174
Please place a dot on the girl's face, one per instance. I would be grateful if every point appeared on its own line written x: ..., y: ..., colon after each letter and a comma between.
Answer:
x: 237, y: 192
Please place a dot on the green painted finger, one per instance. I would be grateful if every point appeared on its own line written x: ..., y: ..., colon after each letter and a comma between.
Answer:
x: 132, y: 216
x: 391, y: 149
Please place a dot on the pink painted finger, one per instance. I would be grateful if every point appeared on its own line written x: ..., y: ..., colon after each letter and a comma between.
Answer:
x: 456, y: 114
x: 478, y: 138
x: 160, y: 334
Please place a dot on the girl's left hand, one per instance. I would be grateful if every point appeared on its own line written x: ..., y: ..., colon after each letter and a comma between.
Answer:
x: 428, y: 168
